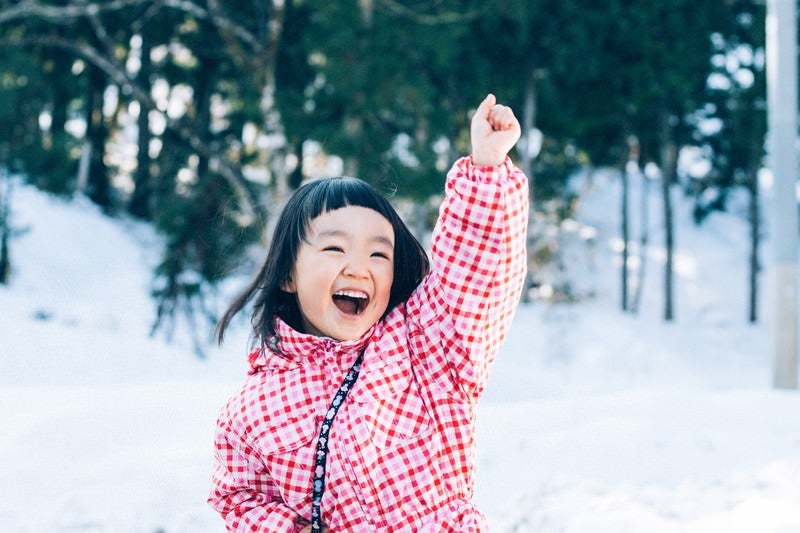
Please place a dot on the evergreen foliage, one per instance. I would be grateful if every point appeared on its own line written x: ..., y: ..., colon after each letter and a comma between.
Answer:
x: 200, y: 116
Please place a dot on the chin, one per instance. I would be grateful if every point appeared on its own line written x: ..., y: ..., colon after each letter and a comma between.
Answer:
x: 352, y: 334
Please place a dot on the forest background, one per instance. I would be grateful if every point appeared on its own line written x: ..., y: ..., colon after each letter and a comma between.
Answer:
x: 201, y: 117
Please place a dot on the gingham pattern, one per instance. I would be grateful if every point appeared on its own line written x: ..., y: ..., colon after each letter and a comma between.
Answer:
x: 402, y: 450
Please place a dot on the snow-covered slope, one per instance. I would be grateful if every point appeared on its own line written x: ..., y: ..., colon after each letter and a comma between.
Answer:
x: 593, y: 421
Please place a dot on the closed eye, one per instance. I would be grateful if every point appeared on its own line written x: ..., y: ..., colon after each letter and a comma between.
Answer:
x: 332, y: 249
x: 381, y: 255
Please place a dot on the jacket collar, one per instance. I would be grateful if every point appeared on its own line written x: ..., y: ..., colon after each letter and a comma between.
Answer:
x: 297, y: 349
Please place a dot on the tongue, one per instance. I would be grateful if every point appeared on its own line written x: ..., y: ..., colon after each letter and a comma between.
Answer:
x: 346, y: 304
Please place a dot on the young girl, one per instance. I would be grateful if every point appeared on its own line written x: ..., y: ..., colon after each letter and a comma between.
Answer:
x: 358, y: 414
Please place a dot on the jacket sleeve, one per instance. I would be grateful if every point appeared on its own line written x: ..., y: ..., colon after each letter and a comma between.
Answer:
x: 243, y: 492
x: 478, y: 264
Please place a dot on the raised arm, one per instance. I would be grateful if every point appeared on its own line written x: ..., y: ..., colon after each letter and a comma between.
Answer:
x: 478, y: 258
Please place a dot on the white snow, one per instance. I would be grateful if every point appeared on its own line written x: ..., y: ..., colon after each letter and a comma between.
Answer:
x: 593, y: 421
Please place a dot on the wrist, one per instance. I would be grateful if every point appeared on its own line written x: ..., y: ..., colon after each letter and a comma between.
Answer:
x: 485, y: 160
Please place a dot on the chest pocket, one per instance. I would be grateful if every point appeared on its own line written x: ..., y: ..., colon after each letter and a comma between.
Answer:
x: 288, y: 434
x: 287, y: 450
x: 391, y: 406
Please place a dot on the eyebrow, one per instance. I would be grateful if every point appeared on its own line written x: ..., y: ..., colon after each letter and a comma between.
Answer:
x: 381, y: 239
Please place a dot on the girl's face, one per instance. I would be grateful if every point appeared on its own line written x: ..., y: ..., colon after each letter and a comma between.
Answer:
x: 343, y: 273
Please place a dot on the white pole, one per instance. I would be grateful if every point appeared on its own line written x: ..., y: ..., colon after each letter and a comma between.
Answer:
x: 782, y: 136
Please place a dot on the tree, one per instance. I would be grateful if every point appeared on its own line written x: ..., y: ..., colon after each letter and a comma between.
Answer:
x: 5, y: 226
x: 517, y: 49
x: 37, y: 88
x: 737, y: 103
x: 196, y: 143
x: 206, y: 232
x: 141, y: 200
x: 646, y: 76
x: 227, y: 96
x: 390, y: 121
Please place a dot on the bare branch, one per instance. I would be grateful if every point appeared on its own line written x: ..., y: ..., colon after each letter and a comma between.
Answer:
x: 430, y: 20
x: 244, y: 59
x: 100, y: 31
x: 64, y: 15
x: 67, y: 14
x: 227, y: 26
x: 118, y: 74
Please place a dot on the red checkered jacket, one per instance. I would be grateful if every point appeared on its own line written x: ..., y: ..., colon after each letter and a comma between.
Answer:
x: 402, y: 447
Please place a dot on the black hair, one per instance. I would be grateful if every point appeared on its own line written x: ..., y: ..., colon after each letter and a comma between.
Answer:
x: 308, y: 202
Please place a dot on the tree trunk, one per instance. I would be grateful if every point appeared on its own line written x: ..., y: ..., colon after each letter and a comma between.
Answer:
x: 669, y: 176
x: 203, y: 90
x: 140, y: 204
x: 624, y: 230
x: 354, y: 127
x: 644, y: 237
x: 296, y: 176
x: 755, y: 228
x: 5, y: 226
x: 5, y: 260
x: 272, y: 122
x: 98, y: 187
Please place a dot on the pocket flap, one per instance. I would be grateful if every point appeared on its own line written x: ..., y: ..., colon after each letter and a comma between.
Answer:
x: 288, y: 434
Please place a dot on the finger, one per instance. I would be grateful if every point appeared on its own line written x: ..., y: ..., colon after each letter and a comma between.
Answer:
x: 501, y: 117
x: 485, y: 107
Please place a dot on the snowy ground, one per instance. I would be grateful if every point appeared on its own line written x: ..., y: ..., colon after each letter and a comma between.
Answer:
x: 594, y: 421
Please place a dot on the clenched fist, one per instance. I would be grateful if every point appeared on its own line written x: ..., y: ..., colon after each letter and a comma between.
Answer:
x: 493, y: 132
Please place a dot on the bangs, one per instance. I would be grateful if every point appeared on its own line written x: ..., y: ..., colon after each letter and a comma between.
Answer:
x: 331, y: 194
x: 334, y: 193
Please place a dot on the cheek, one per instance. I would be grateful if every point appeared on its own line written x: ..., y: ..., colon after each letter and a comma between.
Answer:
x: 388, y: 279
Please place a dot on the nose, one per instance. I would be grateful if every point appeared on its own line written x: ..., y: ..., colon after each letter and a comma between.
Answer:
x: 356, y: 267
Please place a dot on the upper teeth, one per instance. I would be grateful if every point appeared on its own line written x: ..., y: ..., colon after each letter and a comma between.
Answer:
x: 352, y: 294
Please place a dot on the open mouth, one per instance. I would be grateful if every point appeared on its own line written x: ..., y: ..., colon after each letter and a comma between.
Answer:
x: 350, y: 302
